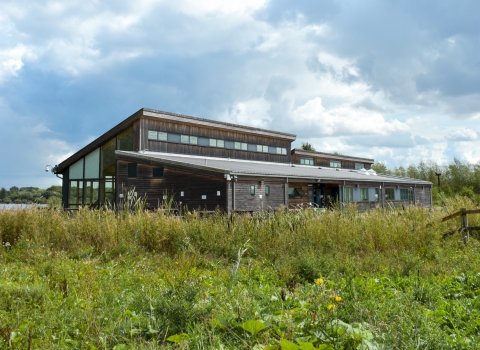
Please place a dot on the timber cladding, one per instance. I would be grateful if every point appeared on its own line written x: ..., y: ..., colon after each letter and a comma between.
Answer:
x: 147, y: 124
x: 259, y: 201
x: 199, y: 191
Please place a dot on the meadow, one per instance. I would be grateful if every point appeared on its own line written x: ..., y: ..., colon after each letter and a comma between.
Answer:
x: 101, y: 279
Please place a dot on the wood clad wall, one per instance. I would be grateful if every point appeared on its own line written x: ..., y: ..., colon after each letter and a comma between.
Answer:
x: 201, y: 131
x: 423, y: 196
x: 244, y: 201
x: 325, y: 162
x: 173, y: 182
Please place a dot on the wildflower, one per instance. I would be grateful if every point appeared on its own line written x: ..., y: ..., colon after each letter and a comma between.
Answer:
x: 209, y: 284
x: 319, y: 281
x: 176, y: 262
x: 27, y: 240
x: 331, y: 307
x: 338, y: 299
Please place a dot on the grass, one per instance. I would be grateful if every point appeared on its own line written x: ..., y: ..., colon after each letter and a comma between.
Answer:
x: 144, y: 280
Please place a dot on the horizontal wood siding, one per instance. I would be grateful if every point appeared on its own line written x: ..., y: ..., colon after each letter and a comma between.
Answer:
x: 244, y: 201
x: 173, y: 183
x: 186, y: 129
x: 422, y: 196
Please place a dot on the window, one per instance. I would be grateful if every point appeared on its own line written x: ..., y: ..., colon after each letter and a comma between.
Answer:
x: 157, y: 172
x: 359, y: 166
x: 348, y: 194
x: 212, y: 143
x: 364, y: 194
x: 132, y: 170
x: 252, y: 190
x: 390, y: 194
x: 335, y: 164
x: 306, y: 161
x: 193, y: 140
x: 220, y: 143
x: 404, y: 194
x: 295, y: 192
x: 259, y: 148
x: 162, y: 136
x: 184, y: 139
x: 152, y: 135
x: 267, y: 190
x: 376, y: 195
x: 265, y: 149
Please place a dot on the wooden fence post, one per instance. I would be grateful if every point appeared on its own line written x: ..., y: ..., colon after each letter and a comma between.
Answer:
x: 464, y: 221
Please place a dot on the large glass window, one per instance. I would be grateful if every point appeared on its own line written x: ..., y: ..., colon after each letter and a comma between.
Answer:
x: 296, y: 192
x: 335, y: 164
x: 125, y: 140
x: 108, y: 158
x: 364, y: 194
x: 91, y: 193
x: 390, y: 194
x: 76, y: 170
x: 404, y: 194
x: 92, y: 165
x: 348, y: 194
x: 306, y: 161
x: 359, y: 166
x: 75, y: 193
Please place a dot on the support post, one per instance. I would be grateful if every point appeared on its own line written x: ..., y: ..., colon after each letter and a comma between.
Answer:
x: 464, y: 222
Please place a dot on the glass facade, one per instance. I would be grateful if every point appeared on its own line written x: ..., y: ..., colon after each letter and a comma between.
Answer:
x: 92, y: 178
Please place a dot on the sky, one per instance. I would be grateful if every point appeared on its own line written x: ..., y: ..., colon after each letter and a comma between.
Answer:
x: 396, y: 81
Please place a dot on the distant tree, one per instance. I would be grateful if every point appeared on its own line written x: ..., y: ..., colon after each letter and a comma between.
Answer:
x: 380, y: 167
x: 306, y: 146
x: 3, y: 194
x: 13, y: 189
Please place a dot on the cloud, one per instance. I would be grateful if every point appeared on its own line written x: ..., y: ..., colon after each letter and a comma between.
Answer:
x: 462, y: 135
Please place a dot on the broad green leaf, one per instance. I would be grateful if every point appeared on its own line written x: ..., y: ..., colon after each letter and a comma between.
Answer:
x: 177, y: 338
x: 326, y: 347
x: 288, y: 345
x: 303, y: 345
x: 271, y: 347
x: 253, y: 326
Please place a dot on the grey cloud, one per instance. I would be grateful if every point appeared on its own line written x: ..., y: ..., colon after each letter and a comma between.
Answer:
x: 320, y: 68
x: 367, y: 103
x: 277, y: 86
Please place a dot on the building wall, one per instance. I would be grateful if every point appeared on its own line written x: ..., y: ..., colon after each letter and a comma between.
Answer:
x: 245, y: 201
x: 188, y: 129
x: 173, y: 182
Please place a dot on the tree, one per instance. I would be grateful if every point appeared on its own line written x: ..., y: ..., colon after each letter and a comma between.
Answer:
x: 306, y: 146
x: 380, y: 167
x: 3, y: 194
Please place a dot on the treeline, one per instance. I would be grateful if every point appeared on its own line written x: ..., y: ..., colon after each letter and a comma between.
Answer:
x: 28, y: 195
x: 458, y: 178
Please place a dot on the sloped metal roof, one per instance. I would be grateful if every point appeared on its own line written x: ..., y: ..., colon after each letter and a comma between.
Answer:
x: 256, y: 168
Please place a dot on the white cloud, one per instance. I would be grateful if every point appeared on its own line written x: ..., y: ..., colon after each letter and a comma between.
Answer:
x: 343, y: 120
x: 464, y: 134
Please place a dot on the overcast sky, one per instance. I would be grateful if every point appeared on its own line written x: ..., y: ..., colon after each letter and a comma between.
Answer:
x: 397, y: 81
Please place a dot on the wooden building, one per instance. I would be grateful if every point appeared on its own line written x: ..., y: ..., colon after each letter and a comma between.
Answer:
x: 213, y: 165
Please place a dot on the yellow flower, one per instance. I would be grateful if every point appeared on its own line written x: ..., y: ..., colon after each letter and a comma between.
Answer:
x: 338, y: 299
x: 27, y: 240
x: 176, y: 262
x: 331, y: 307
x: 319, y: 281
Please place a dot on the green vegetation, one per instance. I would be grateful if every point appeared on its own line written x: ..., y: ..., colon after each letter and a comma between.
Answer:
x: 98, y: 279
x: 458, y: 178
x: 28, y: 195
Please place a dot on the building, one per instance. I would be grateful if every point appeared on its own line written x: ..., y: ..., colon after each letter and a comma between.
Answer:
x: 213, y: 165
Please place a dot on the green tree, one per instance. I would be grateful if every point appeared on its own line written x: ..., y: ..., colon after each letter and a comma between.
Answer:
x: 306, y: 146
x: 380, y: 167
x: 3, y: 194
